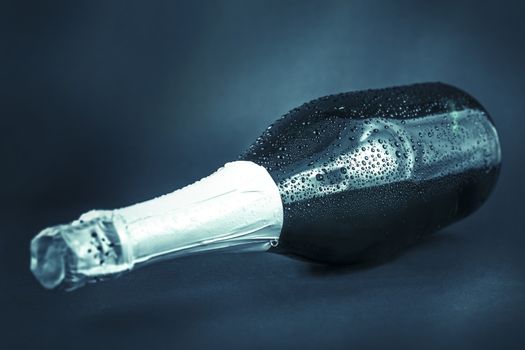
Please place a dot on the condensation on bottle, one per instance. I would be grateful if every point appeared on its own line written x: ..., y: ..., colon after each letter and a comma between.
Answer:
x: 362, y: 174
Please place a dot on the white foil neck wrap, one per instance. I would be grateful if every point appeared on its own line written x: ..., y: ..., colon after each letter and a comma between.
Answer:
x: 236, y: 208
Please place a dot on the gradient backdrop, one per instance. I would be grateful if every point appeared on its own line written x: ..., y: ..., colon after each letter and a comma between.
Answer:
x: 107, y: 103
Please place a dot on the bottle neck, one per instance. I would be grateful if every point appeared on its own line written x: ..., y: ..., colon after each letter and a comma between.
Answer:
x: 237, y: 208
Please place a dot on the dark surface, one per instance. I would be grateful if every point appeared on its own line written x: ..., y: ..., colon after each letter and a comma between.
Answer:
x: 109, y: 103
x: 376, y: 211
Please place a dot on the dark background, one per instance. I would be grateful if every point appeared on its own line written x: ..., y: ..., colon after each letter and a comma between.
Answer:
x: 107, y: 103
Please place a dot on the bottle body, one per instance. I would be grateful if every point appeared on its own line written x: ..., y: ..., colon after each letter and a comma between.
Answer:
x: 363, y: 174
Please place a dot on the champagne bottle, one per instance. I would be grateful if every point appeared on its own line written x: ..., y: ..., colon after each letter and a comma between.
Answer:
x: 342, y: 179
